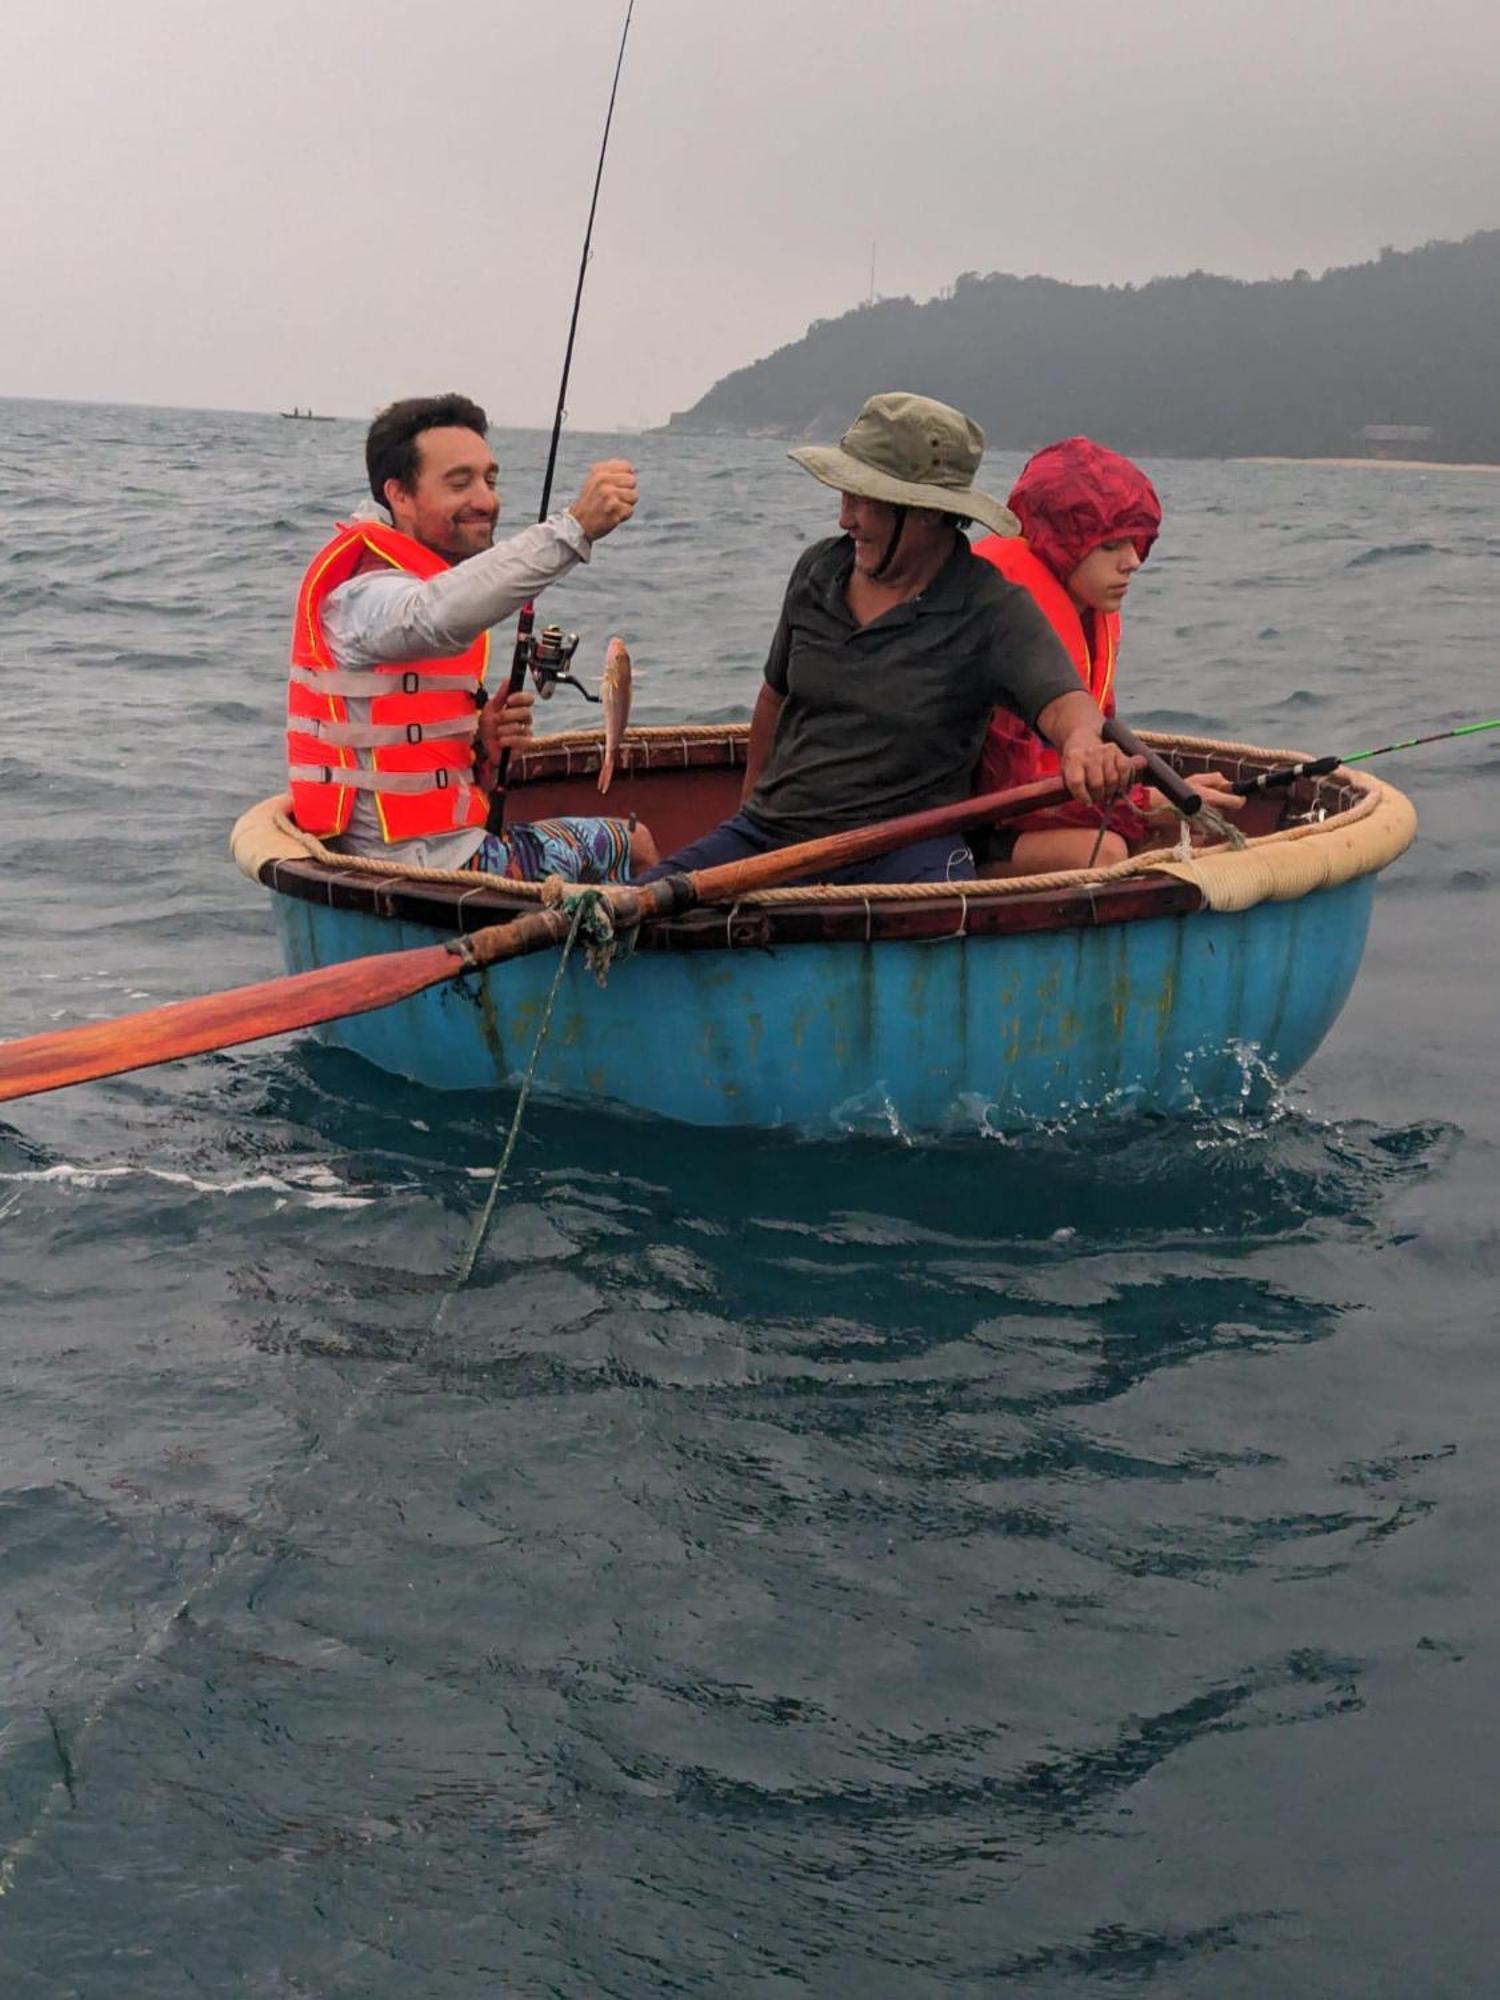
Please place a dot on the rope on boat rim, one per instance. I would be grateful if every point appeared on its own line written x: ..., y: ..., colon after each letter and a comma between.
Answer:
x: 996, y: 888
x: 642, y: 737
x: 265, y: 835
x: 593, y: 922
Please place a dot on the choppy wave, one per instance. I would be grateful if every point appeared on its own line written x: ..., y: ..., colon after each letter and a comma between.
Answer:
x: 991, y: 1565
x: 314, y: 1187
x: 1389, y: 552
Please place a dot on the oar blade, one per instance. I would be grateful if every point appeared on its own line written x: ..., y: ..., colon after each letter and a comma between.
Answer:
x: 219, y: 1020
x: 304, y: 999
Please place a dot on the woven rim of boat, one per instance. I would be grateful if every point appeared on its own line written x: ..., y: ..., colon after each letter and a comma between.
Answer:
x: 1372, y: 824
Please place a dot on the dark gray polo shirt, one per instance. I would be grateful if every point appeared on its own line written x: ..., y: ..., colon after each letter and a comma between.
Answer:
x: 889, y: 717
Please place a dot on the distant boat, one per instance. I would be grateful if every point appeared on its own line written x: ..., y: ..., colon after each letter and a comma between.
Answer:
x: 306, y: 416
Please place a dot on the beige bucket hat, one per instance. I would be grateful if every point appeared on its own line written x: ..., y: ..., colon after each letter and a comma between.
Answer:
x: 910, y: 452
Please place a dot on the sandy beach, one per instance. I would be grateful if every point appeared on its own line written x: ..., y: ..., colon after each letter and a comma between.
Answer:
x: 1376, y: 464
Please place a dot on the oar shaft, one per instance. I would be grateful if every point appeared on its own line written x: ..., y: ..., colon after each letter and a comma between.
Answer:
x: 817, y: 859
x: 804, y: 860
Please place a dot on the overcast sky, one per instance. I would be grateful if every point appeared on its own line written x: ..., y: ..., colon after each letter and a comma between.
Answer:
x: 336, y: 202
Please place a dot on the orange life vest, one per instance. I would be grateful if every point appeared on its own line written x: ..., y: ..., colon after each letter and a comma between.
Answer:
x: 1014, y: 754
x: 422, y: 715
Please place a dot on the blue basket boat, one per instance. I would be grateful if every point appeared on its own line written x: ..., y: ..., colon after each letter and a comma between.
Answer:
x: 1168, y: 984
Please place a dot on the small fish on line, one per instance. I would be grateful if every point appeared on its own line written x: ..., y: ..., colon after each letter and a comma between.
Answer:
x: 614, y: 695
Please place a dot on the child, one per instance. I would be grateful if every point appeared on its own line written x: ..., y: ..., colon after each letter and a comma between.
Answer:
x: 1088, y: 519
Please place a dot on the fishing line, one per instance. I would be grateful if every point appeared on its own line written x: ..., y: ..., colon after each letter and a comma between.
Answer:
x: 526, y: 621
x: 591, y: 919
x: 583, y: 265
x: 69, y: 1747
x: 586, y: 913
x: 1104, y: 821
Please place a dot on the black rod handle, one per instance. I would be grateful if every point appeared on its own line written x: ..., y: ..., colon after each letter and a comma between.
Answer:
x: 519, y: 659
x: 1160, y: 772
x: 1283, y: 775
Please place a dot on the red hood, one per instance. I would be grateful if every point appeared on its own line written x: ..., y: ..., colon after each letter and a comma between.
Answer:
x: 1075, y: 494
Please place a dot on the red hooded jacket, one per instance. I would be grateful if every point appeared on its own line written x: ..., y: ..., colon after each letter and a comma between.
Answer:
x: 1070, y: 497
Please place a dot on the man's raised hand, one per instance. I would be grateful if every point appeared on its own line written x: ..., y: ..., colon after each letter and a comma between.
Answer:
x: 606, y: 498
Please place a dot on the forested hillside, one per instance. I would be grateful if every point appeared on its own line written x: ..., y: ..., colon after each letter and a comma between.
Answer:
x: 1196, y: 366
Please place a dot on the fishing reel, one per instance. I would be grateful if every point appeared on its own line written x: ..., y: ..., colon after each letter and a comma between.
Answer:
x: 550, y: 658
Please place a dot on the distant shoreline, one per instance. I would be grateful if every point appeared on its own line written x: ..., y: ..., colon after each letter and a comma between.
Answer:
x: 1380, y: 464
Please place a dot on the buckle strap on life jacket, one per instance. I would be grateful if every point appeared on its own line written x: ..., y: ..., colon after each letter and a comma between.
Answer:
x: 375, y: 735
x: 370, y: 686
x: 378, y: 781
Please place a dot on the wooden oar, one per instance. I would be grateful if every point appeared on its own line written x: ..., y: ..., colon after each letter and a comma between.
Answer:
x: 303, y: 999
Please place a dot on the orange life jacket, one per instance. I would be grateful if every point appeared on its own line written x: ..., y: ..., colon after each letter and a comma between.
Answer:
x: 422, y: 715
x: 1014, y: 754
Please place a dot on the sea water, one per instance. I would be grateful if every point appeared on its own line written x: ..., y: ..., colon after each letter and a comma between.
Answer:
x: 1045, y: 1566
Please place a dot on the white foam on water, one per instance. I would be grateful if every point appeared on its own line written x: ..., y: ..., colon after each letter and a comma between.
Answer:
x: 315, y: 1187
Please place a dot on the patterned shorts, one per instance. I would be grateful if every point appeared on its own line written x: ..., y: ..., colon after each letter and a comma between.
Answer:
x: 579, y: 850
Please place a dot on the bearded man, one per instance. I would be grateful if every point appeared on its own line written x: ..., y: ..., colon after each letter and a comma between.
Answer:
x: 386, y: 716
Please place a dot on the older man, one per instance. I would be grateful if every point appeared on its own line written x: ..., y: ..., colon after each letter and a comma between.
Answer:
x: 894, y: 647
x: 390, y: 647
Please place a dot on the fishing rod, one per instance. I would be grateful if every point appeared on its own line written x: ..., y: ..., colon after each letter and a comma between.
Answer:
x: 1319, y: 767
x: 554, y: 651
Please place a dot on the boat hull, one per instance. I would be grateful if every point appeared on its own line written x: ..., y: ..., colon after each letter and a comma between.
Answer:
x: 1196, y: 1011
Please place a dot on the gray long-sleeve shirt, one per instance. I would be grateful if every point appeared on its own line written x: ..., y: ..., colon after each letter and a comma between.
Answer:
x: 388, y: 615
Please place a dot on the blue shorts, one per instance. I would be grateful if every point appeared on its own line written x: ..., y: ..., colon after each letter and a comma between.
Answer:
x: 579, y: 850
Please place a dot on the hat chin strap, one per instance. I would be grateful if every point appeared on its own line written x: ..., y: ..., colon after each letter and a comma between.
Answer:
x: 891, y: 546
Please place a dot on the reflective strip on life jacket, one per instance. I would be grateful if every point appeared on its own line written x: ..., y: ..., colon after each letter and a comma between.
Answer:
x: 368, y: 735
x: 406, y: 783
x: 380, y: 681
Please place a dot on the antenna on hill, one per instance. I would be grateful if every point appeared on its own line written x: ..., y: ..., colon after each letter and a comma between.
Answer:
x: 871, y: 299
